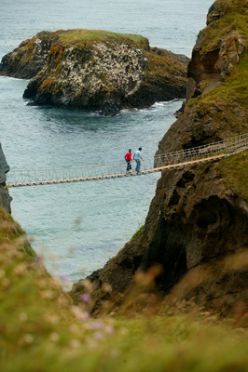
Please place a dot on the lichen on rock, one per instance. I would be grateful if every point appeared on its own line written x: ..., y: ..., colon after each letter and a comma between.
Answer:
x: 96, y: 70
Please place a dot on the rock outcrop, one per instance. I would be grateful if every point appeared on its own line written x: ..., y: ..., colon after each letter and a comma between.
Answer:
x: 5, y: 199
x: 199, y: 215
x: 96, y: 70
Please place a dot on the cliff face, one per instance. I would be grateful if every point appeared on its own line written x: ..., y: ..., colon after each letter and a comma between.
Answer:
x: 96, y: 70
x: 216, y: 94
x: 5, y: 199
x: 199, y: 214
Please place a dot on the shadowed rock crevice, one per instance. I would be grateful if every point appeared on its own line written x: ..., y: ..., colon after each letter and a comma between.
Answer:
x: 168, y: 250
x: 218, y: 227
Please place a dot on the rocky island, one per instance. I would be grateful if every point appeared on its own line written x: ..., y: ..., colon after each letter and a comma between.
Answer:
x: 96, y: 70
x: 196, y: 231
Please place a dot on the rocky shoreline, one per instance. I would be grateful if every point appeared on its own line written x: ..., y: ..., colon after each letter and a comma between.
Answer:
x: 96, y: 70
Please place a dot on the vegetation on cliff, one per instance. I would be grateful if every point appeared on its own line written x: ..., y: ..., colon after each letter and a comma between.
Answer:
x: 42, y: 330
x: 234, y: 172
x: 81, y: 37
x: 219, y: 68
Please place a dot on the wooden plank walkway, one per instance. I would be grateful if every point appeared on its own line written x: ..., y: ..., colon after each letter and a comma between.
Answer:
x: 114, y: 175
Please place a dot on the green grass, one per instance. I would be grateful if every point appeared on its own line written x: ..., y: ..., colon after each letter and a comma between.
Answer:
x: 219, y: 29
x: 235, y: 174
x: 138, y: 233
x: 165, y: 66
x: 235, y: 18
x: 10, y: 232
x: 42, y: 331
x: 227, y: 103
x: 233, y: 90
x: 78, y: 36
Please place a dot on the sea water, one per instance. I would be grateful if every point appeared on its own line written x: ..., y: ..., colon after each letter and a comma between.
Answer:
x: 76, y: 228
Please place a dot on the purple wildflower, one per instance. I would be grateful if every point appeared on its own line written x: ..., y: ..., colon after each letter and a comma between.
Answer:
x: 99, y: 336
x: 86, y: 298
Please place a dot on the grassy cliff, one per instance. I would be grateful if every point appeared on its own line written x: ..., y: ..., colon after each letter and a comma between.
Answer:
x: 42, y: 331
x: 234, y: 172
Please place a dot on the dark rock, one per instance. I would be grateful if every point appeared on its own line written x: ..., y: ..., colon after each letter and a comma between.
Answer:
x: 5, y: 199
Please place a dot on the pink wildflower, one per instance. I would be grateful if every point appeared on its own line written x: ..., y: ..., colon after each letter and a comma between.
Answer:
x: 86, y: 298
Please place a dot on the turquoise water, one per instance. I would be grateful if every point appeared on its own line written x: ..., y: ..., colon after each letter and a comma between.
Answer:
x: 77, y: 227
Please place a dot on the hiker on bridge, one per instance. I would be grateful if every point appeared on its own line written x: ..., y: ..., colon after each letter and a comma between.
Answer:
x: 129, y: 158
x: 137, y: 157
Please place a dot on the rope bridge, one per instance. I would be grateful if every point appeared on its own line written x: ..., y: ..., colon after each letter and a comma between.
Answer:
x: 161, y: 162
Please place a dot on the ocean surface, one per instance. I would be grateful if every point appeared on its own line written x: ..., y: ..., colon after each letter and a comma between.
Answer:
x: 76, y: 228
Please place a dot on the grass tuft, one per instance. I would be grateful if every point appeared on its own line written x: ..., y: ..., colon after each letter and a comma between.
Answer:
x: 82, y: 36
x: 234, y: 172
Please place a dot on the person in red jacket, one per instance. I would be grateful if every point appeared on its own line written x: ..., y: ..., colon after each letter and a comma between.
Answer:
x: 129, y: 158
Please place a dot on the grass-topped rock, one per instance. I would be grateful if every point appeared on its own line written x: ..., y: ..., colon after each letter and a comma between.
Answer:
x: 96, y: 70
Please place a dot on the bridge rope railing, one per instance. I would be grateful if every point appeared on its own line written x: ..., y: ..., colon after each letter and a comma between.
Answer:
x: 90, y: 172
x: 225, y: 147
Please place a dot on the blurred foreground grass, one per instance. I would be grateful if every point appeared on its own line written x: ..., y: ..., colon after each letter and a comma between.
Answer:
x: 41, y: 330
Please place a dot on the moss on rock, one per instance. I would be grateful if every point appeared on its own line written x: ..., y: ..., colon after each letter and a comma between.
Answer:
x: 235, y: 175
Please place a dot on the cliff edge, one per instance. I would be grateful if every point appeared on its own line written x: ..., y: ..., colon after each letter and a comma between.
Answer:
x: 198, y: 219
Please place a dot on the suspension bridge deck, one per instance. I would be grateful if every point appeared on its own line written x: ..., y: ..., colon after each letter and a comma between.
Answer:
x: 163, y: 162
x: 113, y: 175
